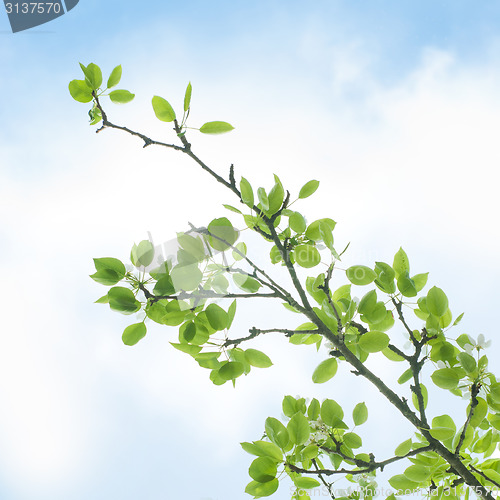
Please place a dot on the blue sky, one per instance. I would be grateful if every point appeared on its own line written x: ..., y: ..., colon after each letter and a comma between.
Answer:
x: 393, y: 105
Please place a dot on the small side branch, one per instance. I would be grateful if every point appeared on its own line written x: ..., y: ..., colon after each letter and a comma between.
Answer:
x: 254, y: 332
x: 473, y: 403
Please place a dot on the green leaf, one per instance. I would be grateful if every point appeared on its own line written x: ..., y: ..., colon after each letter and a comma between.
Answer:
x: 495, y: 392
x: 297, y: 222
x: 231, y: 370
x: 298, y: 429
x: 115, y: 77
x: 222, y: 234
x: 277, y: 432
x: 401, y: 263
x: 360, y: 414
x: 468, y: 362
x: 313, y: 233
x: 306, y: 256
x: 403, y: 448
x: 407, y: 375
x: 106, y: 277
x: 446, y: 378
x: 80, y: 90
x: 263, y: 469
x: 242, y: 249
x: 216, y: 316
x: 133, y: 333
x: 306, y: 483
x: 246, y: 192
x: 368, y: 302
x: 193, y: 245
x: 437, y: 302
x: 262, y: 489
x: 103, y: 300
x: 263, y: 449
x: 230, y: 314
x: 308, y: 189
x: 246, y: 283
x: 192, y: 350
x: 360, y: 275
x: 186, y: 277
x: 420, y: 280
x: 314, y: 409
x: 406, y: 285
x: 216, y: 128
x: 231, y: 208
x: 264, y: 201
x: 401, y: 482
x: 479, y: 413
x: 385, y: 277
x: 145, y: 253
x: 391, y: 355
x: 121, y: 96
x: 123, y: 300
x: 187, y: 97
x: 276, y: 196
x: 373, y: 341
x: 352, y: 440
x: 417, y: 473
x: 331, y: 412
x: 425, y: 397
x: 459, y: 318
x: 443, y: 427
x: 93, y: 75
x: 289, y: 406
x: 162, y: 109
x: 110, y: 264
x: 257, y: 358
x: 164, y: 286
x: 325, y: 371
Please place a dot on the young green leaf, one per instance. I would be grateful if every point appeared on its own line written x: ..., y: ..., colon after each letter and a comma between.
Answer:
x: 231, y: 370
x: 308, y: 189
x: 122, y: 299
x: 306, y: 256
x: 263, y: 199
x: 115, y: 77
x: 162, y: 109
x: 437, y: 302
x: 360, y: 414
x: 331, y: 412
x: 325, y: 371
x: 216, y: 316
x: 360, y: 275
x: 133, y: 333
x: 373, y: 341
x: 262, y: 489
x: 144, y: 253
x: 276, y: 432
x: 221, y: 234
x: 187, y: 97
x: 246, y: 192
x: 298, y: 429
x: 121, y: 96
x: 306, y: 483
x: 263, y: 469
x: 80, y: 91
x: 93, y: 75
x: 403, y: 448
x: 446, y: 378
x: 216, y: 128
x: 401, y: 263
x: 257, y: 358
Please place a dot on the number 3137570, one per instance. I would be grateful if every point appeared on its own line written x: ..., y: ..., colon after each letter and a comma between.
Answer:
x: 33, y: 8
